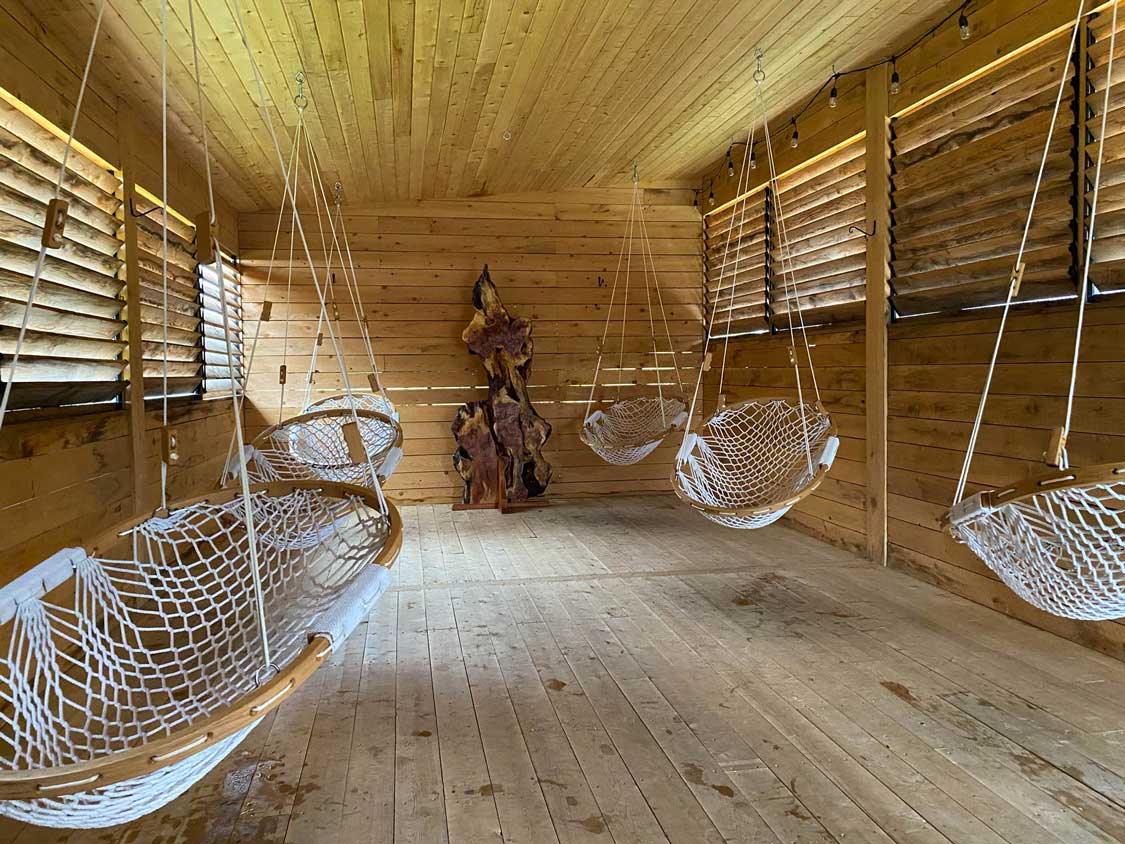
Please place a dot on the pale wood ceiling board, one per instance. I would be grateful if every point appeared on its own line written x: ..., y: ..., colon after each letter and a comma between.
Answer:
x: 515, y: 117
x: 445, y: 60
x: 633, y: 79
x: 612, y: 57
x: 701, y: 48
x: 426, y: 22
x: 504, y: 71
x: 402, y: 71
x: 353, y: 20
x: 377, y: 15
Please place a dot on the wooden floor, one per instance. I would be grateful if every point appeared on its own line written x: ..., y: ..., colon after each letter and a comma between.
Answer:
x: 620, y: 670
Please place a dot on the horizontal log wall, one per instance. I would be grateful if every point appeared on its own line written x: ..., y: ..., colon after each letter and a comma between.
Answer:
x: 936, y: 371
x: 758, y: 366
x: 416, y: 265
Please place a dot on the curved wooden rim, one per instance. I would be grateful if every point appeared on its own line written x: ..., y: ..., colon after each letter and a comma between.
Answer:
x: 185, y: 741
x: 660, y: 437
x: 1048, y: 482
x: 316, y: 405
x: 335, y: 411
x: 745, y: 512
x: 340, y: 411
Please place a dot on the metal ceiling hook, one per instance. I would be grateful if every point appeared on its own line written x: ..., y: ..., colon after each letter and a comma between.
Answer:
x: 759, y: 74
x: 301, y: 100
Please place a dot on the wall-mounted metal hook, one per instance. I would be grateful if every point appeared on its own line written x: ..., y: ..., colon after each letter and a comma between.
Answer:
x: 867, y: 234
x: 601, y: 282
x: 137, y: 214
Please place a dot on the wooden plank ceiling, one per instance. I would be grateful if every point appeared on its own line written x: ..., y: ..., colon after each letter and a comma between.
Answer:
x: 413, y: 99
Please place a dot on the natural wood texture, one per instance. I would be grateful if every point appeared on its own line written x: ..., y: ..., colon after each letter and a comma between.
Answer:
x: 937, y: 369
x: 475, y: 459
x: 632, y: 673
x: 878, y: 226
x: 759, y: 366
x: 65, y: 477
x: 135, y: 349
x: 427, y: 99
x: 506, y: 349
x: 416, y: 264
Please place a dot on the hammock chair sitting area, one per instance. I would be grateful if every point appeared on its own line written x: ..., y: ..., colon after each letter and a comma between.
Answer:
x: 630, y: 429
x: 1057, y: 539
x: 136, y: 664
x: 749, y: 463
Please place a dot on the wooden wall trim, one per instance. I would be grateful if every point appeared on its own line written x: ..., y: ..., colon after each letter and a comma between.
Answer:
x: 878, y: 200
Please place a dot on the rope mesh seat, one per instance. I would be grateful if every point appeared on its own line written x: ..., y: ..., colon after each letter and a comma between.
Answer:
x: 381, y: 433
x: 134, y: 666
x: 1057, y: 540
x: 748, y: 464
x: 314, y: 446
x: 631, y: 429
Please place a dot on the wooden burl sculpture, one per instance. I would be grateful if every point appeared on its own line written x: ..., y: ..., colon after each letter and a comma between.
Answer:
x: 505, y: 347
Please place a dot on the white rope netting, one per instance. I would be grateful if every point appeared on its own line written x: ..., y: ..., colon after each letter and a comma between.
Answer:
x: 631, y: 429
x: 750, y: 460
x: 313, y: 447
x: 143, y: 645
x: 1061, y: 550
x: 360, y: 401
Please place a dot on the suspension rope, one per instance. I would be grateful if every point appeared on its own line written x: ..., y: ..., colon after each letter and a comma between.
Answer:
x: 1013, y: 285
x: 291, y: 197
x: 1085, y: 285
x: 284, y: 374
x: 608, y: 317
x: 244, y: 476
x: 660, y: 299
x: 42, y: 257
x: 648, y: 302
x: 163, y: 240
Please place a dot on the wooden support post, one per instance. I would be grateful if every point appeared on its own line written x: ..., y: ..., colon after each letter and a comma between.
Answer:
x: 878, y: 198
x: 135, y: 350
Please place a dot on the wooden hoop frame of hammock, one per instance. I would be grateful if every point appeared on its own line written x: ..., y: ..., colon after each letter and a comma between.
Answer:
x: 749, y: 512
x: 262, y: 441
x: 168, y: 750
x: 1056, y: 480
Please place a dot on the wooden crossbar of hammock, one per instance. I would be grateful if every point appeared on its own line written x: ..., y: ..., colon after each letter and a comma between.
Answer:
x: 821, y: 471
x: 150, y: 756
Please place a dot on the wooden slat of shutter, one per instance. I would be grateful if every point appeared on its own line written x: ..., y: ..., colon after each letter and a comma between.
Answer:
x: 154, y: 387
x: 736, y: 263
x: 18, y: 259
x: 51, y: 319
x: 15, y: 287
x: 218, y: 371
x: 29, y: 236
x: 43, y: 343
x: 34, y: 212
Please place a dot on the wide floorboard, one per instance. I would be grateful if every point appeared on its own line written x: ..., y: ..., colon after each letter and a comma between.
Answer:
x: 621, y: 670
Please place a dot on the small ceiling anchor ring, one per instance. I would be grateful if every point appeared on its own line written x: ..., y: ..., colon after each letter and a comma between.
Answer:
x: 301, y: 100
x: 759, y: 74
x: 338, y: 191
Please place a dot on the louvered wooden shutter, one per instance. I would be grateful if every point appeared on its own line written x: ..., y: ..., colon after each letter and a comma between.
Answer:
x: 737, y: 266
x: 72, y: 353
x: 220, y: 369
x: 963, y: 171
x: 820, y: 204
x: 185, y: 348
x: 1107, y: 255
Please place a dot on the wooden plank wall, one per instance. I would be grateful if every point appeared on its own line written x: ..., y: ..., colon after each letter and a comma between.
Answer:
x: 937, y: 369
x: 758, y: 365
x: 63, y: 480
x: 416, y: 264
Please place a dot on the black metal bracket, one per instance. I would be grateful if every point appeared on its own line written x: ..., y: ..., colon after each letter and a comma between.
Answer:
x: 865, y: 233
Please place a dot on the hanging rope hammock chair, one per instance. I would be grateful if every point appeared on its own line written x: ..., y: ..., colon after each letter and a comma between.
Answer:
x: 1057, y: 539
x: 352, y: 437
x: 135, y: 664
x: 630, y: 429
x: 749, y: 463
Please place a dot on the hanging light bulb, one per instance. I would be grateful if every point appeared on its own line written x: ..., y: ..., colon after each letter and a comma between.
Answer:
x: 963, y: 24
x: 896, y: 82
x: 793, y: 139
x: 833, y: 95
x: 711, y: 197
x: 730, y: 164
x: 753, y: 159
x: 695, y: 199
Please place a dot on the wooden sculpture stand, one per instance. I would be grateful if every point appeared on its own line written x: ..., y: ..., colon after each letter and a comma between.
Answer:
x: 501, y: 501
